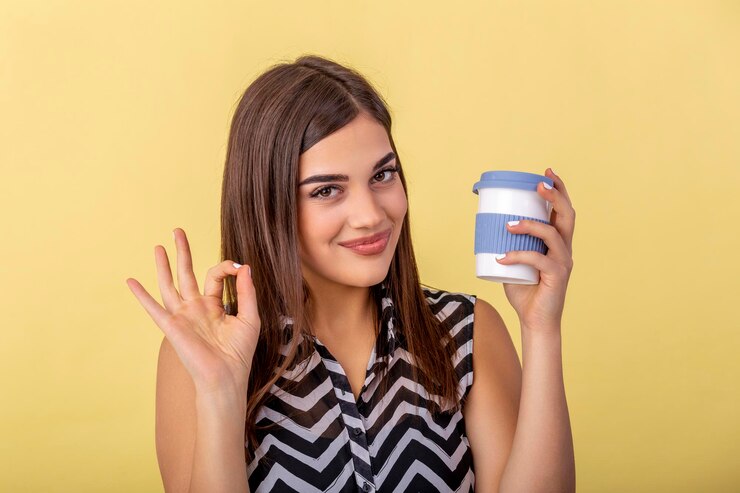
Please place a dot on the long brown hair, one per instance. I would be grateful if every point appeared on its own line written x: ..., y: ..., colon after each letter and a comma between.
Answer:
x: 284, y: 112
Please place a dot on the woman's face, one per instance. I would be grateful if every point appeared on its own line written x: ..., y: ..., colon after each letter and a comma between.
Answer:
x: 368, y: 199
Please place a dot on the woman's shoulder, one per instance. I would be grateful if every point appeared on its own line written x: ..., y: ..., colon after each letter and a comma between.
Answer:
x: 440, y: 298
x: 454, y: 308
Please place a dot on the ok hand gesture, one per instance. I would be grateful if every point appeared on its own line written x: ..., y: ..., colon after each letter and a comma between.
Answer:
x: 214, y: 347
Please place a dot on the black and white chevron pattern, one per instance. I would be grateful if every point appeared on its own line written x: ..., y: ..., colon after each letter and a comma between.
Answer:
x: 320, y: 439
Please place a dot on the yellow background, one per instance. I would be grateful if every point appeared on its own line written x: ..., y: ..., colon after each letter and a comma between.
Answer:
x: 114, y: 123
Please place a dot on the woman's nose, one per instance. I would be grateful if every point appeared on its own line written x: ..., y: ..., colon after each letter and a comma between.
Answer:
x: 366, y: 210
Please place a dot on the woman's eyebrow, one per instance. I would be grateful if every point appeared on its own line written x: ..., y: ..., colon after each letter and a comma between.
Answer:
x: 326, y: 178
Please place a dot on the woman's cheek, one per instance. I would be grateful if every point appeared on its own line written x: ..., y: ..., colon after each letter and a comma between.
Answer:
x: 400, y: 205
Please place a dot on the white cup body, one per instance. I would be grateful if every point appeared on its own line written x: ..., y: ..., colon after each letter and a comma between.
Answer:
x: 516, y: 202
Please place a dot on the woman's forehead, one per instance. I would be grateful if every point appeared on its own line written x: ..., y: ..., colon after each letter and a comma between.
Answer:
x: 357, y: 145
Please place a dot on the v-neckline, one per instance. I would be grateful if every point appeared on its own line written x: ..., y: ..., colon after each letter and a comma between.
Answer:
x: 368, y: 367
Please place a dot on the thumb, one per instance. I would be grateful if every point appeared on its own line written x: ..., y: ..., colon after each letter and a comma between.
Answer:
x: 246, y: 297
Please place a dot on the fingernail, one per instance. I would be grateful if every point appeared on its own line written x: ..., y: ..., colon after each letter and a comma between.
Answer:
x: 553, y: 172
x: 500, y: 256
x: 512, y: 223
x: 237, y: 265
x: 546, y: 185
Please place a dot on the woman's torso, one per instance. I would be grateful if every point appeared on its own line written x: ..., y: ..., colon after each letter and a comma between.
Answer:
x: 324, y: 439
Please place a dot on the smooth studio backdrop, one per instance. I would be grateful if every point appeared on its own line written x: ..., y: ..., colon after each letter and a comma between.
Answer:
x: 114, y: 123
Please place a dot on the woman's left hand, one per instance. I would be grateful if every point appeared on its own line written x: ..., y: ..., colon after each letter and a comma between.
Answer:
x: 540, y: 306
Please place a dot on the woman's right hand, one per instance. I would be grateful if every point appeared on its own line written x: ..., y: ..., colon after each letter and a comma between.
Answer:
x: 214, y: 347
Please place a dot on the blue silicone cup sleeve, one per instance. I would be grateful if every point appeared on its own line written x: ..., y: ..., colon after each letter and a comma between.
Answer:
x: 491, y: 235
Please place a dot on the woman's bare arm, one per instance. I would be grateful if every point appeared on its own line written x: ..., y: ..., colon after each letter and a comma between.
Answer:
x: 199, y: 436
x: 203, y: 371
x: 517, y: 418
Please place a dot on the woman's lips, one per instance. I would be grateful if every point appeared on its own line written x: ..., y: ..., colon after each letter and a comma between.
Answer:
x: 371, y: 248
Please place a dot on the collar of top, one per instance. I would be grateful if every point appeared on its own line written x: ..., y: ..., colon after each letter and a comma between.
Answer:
x: 388, y: 318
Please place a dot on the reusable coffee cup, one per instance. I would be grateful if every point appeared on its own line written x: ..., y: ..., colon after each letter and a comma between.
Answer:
x: 508, y: 196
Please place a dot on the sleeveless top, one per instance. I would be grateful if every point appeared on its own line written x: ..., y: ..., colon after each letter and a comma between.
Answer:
x: 321, y: 439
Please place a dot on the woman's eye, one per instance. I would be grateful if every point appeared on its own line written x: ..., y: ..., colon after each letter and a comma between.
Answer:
x: 325, y: 192
x: 390, y: 171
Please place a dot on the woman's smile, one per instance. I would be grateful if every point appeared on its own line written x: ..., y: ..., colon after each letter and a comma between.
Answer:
x: 369, y: 247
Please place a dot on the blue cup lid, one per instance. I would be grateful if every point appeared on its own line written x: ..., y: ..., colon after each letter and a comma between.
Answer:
x: 510, y: 179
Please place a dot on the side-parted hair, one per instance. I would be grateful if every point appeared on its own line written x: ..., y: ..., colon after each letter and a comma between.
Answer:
x: 282, y: 114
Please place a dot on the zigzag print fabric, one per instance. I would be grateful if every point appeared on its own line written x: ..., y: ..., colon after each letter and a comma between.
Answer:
x: 321, y: 439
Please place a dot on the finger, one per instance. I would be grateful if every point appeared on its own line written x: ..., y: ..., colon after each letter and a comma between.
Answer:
x: 214, y: 284
x: 556, y: 246
x: 153, y: 308
x: 563, y: 217
x: 170, y: 296
x: 559, y: 184
x: 246, y: 297
x: 178, y: 338
x: 546, y: 265
x: 185, y: 276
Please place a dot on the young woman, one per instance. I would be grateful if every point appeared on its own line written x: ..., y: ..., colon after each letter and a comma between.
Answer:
x: 331, y: 367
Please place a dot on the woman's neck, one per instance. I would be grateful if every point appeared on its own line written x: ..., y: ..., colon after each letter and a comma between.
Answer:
x: 338, y: 312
